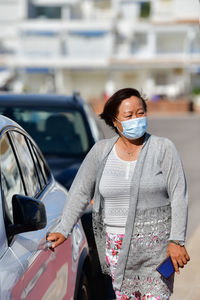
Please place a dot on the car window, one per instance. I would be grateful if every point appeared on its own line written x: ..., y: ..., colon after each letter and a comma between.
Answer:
x: 57, y: 131
x: 92, y: 122
x: 43, y: 167
x: 27, y: 166
x: 11, y: 181
x: 42, y: 170
x: 37, y: 165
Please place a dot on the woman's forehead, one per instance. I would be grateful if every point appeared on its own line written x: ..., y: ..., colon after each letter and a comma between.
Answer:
x: 130, y: 104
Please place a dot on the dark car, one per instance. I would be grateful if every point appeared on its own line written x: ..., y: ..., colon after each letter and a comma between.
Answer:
x: 65, y: 128
x: 31, y: 204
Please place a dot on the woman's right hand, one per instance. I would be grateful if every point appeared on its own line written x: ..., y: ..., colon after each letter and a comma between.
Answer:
x: 57, y: 238
x: 178, y: 255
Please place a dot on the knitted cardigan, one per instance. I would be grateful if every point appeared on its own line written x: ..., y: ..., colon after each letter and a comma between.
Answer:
x: 158, y: 181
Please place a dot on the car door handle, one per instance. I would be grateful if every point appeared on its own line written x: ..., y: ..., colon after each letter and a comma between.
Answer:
x: 45, y: 246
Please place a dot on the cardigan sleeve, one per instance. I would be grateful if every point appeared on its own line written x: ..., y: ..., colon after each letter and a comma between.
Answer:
x: 80, y: 193
x: 173, y: 173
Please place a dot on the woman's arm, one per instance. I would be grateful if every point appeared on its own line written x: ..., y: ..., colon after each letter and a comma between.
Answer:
x: 173, y: 173
x: 79, y: 196
x: 175, y: 180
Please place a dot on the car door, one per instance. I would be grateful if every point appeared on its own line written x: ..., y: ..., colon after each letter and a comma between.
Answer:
x: 10, y: 267
x: 35, y: 261
x: 37, y: 283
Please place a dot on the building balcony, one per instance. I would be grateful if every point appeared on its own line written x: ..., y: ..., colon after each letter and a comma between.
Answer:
x: 91, y: 43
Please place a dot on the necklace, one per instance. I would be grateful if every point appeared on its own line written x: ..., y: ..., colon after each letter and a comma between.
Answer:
x: 130, y: 153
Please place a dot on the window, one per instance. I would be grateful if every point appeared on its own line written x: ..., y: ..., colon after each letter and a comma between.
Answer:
x: 11, y: 182
x: 170, y: 42
x: 139, y: 43
x: 195, y: 43
x: 43, y: 167
x: 37, y: 165
x: 29, y: 172
x: 69, y: 138
x: 48, y: 12
x: 42, y: 170
x: 91, y: 120
x: 161, y: 78
x: 102, y: 4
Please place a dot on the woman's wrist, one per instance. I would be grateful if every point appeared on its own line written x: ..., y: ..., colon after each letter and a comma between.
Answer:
x: 177, y: 242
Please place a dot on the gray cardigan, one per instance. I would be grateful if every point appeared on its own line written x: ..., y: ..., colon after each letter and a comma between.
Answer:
x: 158, y: 181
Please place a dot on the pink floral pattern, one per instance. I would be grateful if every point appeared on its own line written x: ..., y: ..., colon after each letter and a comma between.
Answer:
x: 113, y: 246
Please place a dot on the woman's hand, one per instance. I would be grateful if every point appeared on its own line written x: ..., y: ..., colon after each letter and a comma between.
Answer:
x: 179, y: 256
x: 57, y: 238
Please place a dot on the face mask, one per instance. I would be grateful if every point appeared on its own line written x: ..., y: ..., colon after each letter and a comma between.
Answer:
x: 134, y: 128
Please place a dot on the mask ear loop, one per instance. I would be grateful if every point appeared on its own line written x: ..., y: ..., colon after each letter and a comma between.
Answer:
x: 117, y: 127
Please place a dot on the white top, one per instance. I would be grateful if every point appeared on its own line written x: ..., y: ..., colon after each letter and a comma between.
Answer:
x: 115, y: 187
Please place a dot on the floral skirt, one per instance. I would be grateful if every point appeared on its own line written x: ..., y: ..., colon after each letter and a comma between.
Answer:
x: 113, y: 246
x: 147, y: 249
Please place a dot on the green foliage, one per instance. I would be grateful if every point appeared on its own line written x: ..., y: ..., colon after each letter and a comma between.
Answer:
x: 145, y: 9
x: 196, y: 91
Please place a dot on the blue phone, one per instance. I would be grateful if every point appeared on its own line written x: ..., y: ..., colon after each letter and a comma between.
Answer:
x: 166, y: 268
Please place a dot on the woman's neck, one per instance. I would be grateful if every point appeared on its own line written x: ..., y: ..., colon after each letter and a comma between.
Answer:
x: 131, y: 143
x: 129, y: 149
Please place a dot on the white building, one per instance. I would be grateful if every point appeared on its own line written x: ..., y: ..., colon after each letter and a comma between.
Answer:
x: 97, y: 46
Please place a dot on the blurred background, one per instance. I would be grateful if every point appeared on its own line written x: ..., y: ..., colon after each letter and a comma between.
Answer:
x: 98, y: 46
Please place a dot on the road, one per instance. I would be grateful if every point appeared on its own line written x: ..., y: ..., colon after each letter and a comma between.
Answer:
x: 184, y: 131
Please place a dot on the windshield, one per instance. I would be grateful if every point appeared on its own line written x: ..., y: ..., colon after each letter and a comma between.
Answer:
x: 56, y: 132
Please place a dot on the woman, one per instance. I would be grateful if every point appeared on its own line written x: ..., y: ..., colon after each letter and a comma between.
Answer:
x: 140, y: 201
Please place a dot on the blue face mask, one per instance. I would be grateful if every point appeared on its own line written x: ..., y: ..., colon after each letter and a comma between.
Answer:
x: 134, y: 128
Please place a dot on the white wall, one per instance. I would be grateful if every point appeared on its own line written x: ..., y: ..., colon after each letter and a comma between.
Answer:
x: 92, y: 47
x: 186, y: 9
x: 12, y: 10
x: 90, y: 84
x: 35, y: 45
x: 175, y: 10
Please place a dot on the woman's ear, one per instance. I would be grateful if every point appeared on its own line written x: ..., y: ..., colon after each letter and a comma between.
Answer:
x: 114, y: 122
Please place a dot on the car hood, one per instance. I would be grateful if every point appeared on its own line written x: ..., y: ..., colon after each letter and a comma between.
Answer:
x: 64, y: 169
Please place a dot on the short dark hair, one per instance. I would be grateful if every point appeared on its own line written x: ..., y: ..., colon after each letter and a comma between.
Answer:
x: 111, y: 106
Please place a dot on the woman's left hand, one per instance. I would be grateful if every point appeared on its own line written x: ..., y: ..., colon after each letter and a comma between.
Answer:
x: 179, y: 256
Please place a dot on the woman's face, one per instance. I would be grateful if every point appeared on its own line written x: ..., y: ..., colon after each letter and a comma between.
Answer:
x: 128, y: 109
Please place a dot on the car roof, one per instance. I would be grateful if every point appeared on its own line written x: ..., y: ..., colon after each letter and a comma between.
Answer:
x: 35, y: 100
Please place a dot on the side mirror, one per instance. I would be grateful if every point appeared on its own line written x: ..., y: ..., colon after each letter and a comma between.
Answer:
x: 29, y: 214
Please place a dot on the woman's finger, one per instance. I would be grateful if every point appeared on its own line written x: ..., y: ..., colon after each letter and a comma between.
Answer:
x: 175, y: 264
x: 184, y: 260
x: 187, y: 256
x: 57, y: 239
x: 180, y: 263
x: 57, y: 242
x: 52, y: 237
